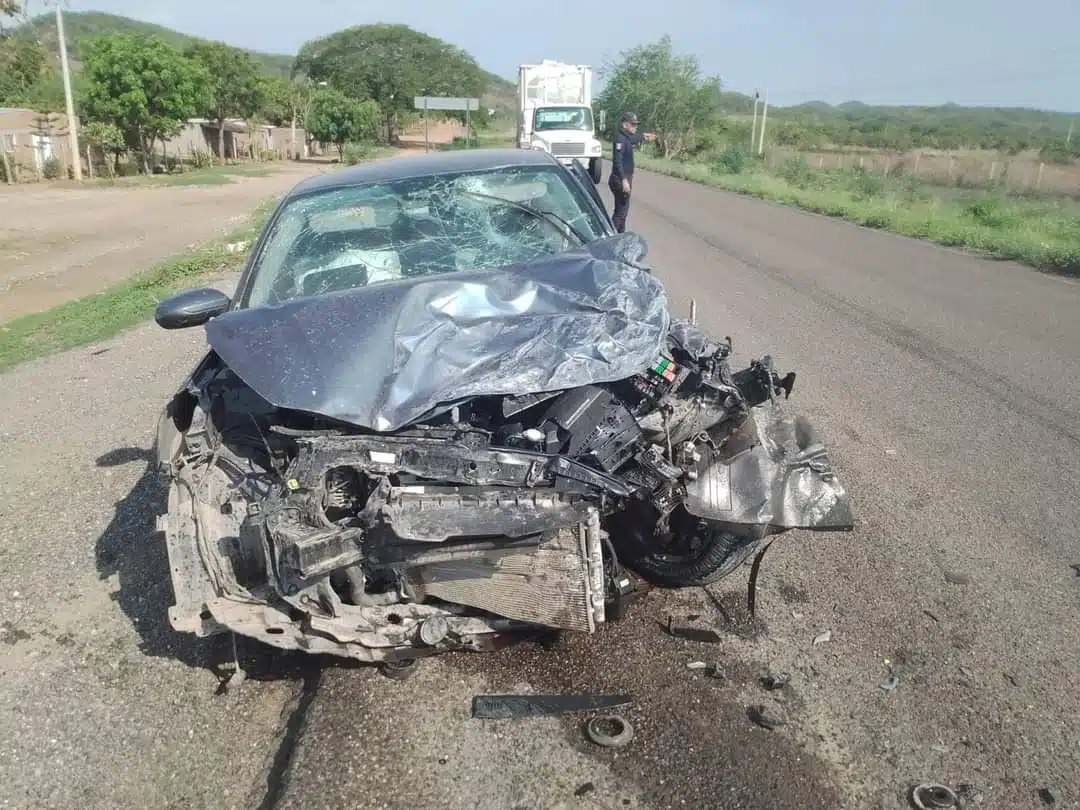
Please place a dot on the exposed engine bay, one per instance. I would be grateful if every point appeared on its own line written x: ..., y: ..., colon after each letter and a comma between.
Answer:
x: 495, y: 516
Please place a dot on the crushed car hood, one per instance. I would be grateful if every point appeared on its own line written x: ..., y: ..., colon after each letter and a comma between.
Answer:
x: 385, y: 356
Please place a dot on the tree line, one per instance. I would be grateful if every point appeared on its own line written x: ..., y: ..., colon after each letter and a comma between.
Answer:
x: 693, y: 116
x: 135, y: 90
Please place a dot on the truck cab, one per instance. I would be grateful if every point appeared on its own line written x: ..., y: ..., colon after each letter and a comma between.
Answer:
x: 555, y: 114
x: 567, y: 132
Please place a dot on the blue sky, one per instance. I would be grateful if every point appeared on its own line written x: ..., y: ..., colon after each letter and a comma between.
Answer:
x: 915, y: 52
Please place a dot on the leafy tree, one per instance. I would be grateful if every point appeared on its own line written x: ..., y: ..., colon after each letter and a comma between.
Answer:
x: 22, y: 66
x: 335, y: 118
x: 667, y: 91
x: 108, y: 138
x: 9, y: 8
x: 288, y: 101
x: 391, y: 64
x: 236, y: 84
x: 144, y: 87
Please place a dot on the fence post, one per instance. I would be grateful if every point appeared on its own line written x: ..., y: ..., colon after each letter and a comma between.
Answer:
x: 89, y: 162
x: 952, y: 168
x: 1038, y: 180
x: 7, y: 167
x: 993, y: 169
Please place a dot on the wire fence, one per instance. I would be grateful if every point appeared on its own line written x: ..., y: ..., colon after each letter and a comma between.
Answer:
x: 967, y: 169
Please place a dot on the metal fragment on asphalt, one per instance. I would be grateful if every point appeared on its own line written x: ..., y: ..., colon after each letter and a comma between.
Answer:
x: 889, y: 684
x: 822, y: 638
x: 502, y: 707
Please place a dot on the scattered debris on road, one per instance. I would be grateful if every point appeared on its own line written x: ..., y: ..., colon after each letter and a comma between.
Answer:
x: 769, y: 718
x: 889, y: 685
x: 822, y: 638
x: 1050, y: 796
x: 503, y: 707
x: 958, y: 578
x: 610, y: 731
x: 585, y: 789
x: 969, y: 794
x: 775, y: 680
x: 699, y: 634
x: 933, y: 797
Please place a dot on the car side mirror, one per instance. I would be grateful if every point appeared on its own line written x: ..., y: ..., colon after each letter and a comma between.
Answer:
x: 191, y: 308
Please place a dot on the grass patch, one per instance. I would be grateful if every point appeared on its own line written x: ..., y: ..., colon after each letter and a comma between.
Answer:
x: 98, y: 317
x: 1043, y: 232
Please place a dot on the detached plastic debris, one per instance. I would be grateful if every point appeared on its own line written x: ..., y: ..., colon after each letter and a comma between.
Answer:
x: 503, y: 707
x: 889, y: 685
x: 822, y: 638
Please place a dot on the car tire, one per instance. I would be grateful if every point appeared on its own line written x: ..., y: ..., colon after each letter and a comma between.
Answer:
x: 596, y: 170
x: 695, y: 555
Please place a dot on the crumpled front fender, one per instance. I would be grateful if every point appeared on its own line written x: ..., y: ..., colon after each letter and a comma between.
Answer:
x: 771, y: 473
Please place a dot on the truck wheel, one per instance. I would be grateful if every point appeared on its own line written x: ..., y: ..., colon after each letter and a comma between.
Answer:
x: 596, y: 170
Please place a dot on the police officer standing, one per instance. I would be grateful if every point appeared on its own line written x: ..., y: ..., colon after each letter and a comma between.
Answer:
x: 621, y: 178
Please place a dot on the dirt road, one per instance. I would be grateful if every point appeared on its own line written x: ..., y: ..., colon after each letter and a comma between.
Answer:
x: 947, y: 389
x: 57, y: 244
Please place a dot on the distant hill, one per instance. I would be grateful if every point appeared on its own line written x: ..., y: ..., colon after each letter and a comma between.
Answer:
x: 81, y: 26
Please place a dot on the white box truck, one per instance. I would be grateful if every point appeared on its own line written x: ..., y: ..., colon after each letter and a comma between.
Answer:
x: 555, y: 113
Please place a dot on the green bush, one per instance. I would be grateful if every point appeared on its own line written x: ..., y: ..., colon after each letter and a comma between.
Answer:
x: 52, y: 169
x: 798, y: 173
x: 730, y: 161
x: 354, y: 153
x: 989, y: 211
x: 200, y: 159
x: 867, y: 185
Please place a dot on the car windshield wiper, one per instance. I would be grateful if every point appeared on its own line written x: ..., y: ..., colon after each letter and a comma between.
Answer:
x: 551, y: 218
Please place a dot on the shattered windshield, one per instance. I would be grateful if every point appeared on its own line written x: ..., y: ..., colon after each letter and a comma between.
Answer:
x: 351, y: 237
x: 563, y: 118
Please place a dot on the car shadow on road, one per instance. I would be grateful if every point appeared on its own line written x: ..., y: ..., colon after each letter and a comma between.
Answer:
x: 134, y: 550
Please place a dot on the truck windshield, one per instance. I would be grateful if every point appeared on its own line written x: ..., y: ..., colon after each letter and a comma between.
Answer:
x: 563, y: 118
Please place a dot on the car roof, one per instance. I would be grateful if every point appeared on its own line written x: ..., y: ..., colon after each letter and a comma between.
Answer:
x: 399, y: 168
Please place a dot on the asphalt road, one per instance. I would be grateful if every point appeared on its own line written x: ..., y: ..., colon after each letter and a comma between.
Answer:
x: 946, y: 387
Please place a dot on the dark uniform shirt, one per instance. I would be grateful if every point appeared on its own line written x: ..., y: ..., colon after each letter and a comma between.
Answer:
x: 622, y: 155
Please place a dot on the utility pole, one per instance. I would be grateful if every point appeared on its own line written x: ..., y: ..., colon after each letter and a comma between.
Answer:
x: 73, y: 134
x: 753, y: 127
x: 764, y: 116
x: 1068, y: 138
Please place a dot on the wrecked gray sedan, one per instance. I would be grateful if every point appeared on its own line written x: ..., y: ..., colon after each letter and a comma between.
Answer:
x: 444, y: 408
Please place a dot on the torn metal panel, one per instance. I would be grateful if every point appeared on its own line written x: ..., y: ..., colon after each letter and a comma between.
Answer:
x: 770, y: 472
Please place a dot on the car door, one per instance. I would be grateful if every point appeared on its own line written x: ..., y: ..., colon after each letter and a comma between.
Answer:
x: 581, y: 176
